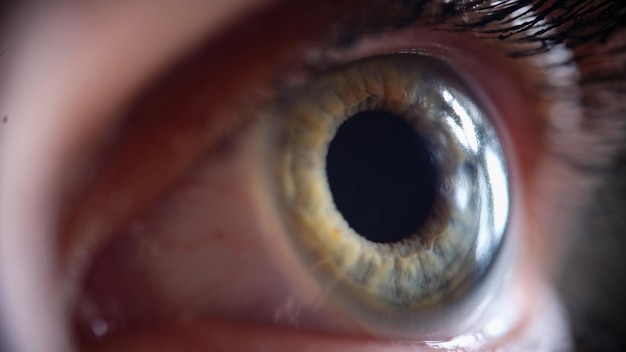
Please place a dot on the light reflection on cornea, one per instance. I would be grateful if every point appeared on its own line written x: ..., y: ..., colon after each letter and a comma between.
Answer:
x: 486, y: 240
x: 494, y: 182
x: 462, y: 194
x: 466, y: 123
x: 461, y: 123
x: 458, y: 131
x: 499, y: 189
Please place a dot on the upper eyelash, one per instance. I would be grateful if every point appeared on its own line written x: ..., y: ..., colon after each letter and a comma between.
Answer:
x: 569, y: 22
x: 526, y: 29
x: 572, y: 23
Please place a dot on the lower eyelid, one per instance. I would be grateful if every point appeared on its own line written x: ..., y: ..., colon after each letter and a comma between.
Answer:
x: 210, y: 335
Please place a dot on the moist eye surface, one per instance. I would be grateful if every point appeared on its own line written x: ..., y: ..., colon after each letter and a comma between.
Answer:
x: 394, y: 187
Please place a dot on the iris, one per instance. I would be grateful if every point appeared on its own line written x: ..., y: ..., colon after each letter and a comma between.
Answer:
x: 437, y: 218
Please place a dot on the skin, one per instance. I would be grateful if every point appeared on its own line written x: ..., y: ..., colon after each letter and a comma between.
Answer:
x: 113, y: 45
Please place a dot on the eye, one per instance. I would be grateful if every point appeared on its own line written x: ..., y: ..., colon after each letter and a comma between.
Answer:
x: 388, y: 176
x: 262, y: 214
x: 233, y: 207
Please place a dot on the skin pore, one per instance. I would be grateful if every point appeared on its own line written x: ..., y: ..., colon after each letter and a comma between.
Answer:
x: 86, y: 66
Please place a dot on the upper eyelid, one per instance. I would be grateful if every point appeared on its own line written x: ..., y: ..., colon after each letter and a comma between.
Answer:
x: 532, y: 27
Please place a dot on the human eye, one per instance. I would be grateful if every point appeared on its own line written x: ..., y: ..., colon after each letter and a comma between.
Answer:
x: 173, y: 226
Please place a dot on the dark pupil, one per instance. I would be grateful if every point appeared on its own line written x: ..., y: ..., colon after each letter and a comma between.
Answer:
x: 380, y: 175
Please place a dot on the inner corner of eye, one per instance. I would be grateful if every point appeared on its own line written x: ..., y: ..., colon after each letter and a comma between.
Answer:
x: 392, y: 175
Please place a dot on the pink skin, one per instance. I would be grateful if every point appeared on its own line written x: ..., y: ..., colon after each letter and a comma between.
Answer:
x: 48, y: 88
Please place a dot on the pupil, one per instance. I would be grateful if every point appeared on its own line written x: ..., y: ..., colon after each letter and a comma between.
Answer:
x: 380, y: 176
